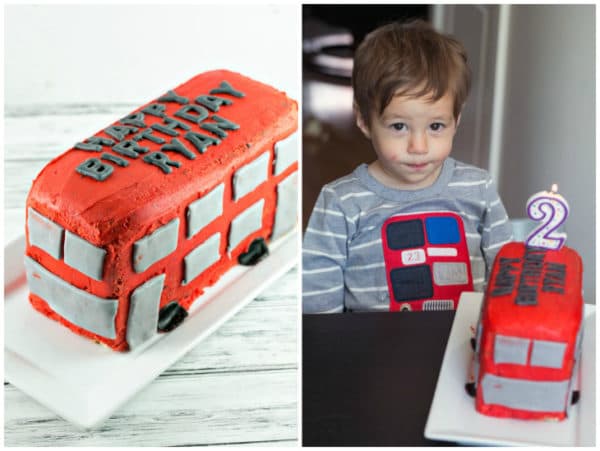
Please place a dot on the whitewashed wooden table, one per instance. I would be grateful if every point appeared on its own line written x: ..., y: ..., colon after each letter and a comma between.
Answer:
x: 239, y: 386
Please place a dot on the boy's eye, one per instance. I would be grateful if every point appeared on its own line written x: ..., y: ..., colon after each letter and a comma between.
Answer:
x: 399, y: 126
x: 436, y: 126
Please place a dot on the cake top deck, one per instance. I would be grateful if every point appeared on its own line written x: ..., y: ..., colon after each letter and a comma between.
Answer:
x: 533, y: 290
x: 212, y: 124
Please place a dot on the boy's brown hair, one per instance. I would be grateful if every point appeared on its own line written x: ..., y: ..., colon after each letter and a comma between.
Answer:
x: 408, y: 59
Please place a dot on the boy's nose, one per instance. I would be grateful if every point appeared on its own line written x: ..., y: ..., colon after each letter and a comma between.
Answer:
x: 418, y: 143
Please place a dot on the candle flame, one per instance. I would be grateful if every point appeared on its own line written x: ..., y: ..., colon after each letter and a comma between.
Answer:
x: 554, y: 188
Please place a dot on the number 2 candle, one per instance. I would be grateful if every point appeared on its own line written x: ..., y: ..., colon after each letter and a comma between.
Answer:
x: 550, y: 209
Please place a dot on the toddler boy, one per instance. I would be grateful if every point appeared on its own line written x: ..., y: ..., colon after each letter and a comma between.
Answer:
x: 410, y: 84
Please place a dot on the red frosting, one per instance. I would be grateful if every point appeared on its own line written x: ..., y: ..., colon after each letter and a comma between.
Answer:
x: 137, y: 199
x: 555, y: 317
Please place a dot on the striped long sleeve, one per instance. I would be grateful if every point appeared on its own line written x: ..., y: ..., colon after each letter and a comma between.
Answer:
x: 324, y: 255
x: 343, y: 256
x: 496, y: 229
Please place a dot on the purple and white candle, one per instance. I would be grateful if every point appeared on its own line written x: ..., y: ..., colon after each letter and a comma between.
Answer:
x: 551, y: 210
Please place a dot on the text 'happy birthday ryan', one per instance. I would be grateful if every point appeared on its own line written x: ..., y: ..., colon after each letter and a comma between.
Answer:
x: 121, y: 143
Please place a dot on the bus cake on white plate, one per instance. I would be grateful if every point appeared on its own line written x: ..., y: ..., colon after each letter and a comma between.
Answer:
x: 529, y: 334
x: 126, y: 229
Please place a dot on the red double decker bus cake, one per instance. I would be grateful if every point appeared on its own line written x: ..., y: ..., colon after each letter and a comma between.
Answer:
x: 529, y: 334
x: 126, y: 229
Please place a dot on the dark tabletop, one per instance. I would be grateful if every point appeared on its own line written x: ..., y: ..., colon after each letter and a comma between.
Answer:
x: 369, y: 378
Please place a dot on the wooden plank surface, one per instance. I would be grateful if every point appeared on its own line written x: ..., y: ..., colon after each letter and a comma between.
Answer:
x: 239, y: 386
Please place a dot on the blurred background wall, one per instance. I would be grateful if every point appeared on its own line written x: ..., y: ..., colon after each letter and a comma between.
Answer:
x: 529, y: 120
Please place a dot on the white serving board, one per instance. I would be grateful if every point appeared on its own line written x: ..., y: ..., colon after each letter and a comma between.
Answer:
x: 453, y: 417
x: 84, y: 382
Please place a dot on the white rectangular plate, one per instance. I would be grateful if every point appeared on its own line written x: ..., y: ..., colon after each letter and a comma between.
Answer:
x: 84, y: 382
x: 453, y: 416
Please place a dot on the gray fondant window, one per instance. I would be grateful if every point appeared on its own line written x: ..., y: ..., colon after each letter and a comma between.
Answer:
x: 287, y: 200
x: 536, y: 396
x: 248, y: 221
x: 203, y: 211
x: 579, y: 335
x: 478, y: 337
x: 44, y: 233
x: 250, y: 176
x: 77, y: 306
x: 286, y: 153
x: 202, y: 257
x: 157, y: 245
x: 549, y: 354
x: 143, y: 311
x: 510, y: 350
x: 450, y: 273
x: 84, y: 256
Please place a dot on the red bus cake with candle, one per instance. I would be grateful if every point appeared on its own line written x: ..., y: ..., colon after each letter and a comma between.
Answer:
x: 126, y: 229
x: 529, y: 334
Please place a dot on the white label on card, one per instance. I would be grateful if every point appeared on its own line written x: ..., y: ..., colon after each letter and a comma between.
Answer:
x: 442, y: 251
x: 413, y: 257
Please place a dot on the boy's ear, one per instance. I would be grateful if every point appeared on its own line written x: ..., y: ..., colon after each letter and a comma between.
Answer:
x: 457, y: 122
x: 360, y: 122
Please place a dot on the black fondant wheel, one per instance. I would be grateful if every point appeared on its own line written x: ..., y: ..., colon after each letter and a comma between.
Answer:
x: 171, y: 316
x: 471, y: 389
x: 256, y: 252
x: 473, y: 344
x: 575, y: 396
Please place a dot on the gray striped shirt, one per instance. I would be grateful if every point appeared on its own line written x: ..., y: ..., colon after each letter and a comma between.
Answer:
x: 342, y: 256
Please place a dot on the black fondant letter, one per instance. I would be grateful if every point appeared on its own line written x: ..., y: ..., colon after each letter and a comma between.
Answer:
x: 119, y: 132
x: 95, y: 169
x: 117, y: 160
x: 155, y: 109
x: 129, y: 148
x: 172, y: 97
x: 170, y: 125
x: 226, y: 88
x: 218, y: 128
x: 136, y: 119
x: 94, y: 144
x: 213, y: 103
x: 177, y: 146
x: 162, y: 161
x: 200, y: 141
x: 184, y: 112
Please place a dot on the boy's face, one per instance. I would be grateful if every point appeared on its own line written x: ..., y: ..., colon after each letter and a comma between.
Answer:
x: 412, y: 138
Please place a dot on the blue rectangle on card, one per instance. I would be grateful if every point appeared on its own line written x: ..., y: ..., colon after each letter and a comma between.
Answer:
x: 442, y: 230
